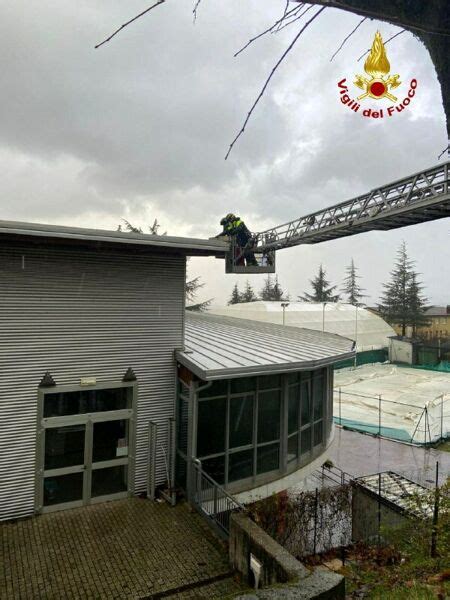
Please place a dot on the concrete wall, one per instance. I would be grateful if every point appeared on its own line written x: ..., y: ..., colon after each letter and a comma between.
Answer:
x: 365, y: 517
x: 278, y: 566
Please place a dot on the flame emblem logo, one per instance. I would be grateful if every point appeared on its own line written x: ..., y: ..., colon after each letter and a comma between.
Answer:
x: 377, y: 67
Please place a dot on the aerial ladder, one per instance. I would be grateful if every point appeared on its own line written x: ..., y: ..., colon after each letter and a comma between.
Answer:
x: 424, y: 196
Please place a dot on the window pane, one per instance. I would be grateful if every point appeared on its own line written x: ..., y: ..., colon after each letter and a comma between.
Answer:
x: 182, y: 424
x: 110, y: 440
x: 318, y: 389
x: 85, y: 401
x: 244, y: 384
x: 293, y: 377
x: 305, y: 403
x: 241, y: 421
x: 64, y: 446
x: 305, y: 441
x: 215, y: 468
x: 211, y: 427
x: 109, y: 481
x: 268, y: 458
x: 318, y: 433
x: 292, y: 454
x: 293, y: 408
x: 218, y: 388
x: 269, y: 381
x: 240, y: 465
x: 180, y: 472
x: 64, y: 488
x: 268, y: 416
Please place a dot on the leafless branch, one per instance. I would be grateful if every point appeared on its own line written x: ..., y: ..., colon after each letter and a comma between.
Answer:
x: 194, y: 10
x: 386, y: 42
x: 285, y: 12
x: 297, y: 17
x: 348, y: 37
x: 261, y: 93
x: 130, y: 21
x: 266, y: 30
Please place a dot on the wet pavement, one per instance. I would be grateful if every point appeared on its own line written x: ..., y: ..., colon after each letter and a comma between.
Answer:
x: 126, y: 549
x: 360, y: 454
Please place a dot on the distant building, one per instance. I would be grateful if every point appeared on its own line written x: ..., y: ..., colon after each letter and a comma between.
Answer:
x: 439, y: 327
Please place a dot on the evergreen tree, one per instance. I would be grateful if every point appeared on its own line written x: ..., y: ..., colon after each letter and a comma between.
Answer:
x: 192, y: 285
x: 236, y: 296
x: 351, y: 287
x: 322, y: 290
x: 417, y: 304
x: 402, y: 302
x: 272, y: 291
x: 248, y: 295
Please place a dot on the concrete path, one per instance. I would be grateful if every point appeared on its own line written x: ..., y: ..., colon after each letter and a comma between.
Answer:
x: 127, y: 549
x: 360, y: 454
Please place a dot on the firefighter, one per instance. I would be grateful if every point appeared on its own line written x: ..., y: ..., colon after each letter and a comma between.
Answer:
x: 234, y: 227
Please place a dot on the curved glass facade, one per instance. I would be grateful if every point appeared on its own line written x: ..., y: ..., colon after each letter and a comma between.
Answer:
x: 256, y: 429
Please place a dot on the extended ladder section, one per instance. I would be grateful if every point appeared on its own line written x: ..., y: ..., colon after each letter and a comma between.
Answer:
x: 421, y: 197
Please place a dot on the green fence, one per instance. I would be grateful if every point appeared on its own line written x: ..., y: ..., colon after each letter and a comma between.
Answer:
x: 365, y: 358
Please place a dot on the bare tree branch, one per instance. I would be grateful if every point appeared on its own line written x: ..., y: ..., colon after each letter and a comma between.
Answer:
x: 266, y: 30
x: 348, y: 37
x: 392, y: 18
x: 130, y: 21
x: 261, y: 93
x: 297, y: 18
x: 386, y: 42
x: 285, y: 12
x: 194, y: 10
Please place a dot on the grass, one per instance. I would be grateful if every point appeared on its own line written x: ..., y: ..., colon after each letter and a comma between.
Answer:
x: 401, y: 572
x: 444, y: 446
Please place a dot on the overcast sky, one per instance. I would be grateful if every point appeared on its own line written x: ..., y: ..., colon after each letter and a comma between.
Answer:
x: 139, y: 128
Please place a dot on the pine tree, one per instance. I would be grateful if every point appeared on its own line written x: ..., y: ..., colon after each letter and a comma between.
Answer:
x: 272, y: 291
x: 192, y: 285
x: 351, y: 287
x: 236, y: 296
x: 277, y: 292
x: 248, y: 295
x: 322, y: 290
x: 417, y: 304
x: 402, y: 302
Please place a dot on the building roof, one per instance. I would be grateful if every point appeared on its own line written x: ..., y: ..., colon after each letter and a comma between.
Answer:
x: 38, y: 232
x: 437, y: 311
x: 218, y: 347
x: 369, y: 330
x: 398, y: 490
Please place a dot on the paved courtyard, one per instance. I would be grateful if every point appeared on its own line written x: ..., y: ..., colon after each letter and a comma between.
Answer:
x: 128, y: 549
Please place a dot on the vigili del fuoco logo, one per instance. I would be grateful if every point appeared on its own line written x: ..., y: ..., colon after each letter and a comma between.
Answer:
x: 376, y: 86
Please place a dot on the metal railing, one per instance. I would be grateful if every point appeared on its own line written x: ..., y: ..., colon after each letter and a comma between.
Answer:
x: 211, y: 500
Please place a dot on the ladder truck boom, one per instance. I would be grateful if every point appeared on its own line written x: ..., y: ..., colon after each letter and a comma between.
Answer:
x: 424, y: 196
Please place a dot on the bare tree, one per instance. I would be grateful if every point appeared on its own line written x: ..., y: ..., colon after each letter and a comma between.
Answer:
x: 428, y: 21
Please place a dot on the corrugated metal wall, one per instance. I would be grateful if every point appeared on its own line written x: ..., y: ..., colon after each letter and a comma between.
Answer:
x: 82, y: 313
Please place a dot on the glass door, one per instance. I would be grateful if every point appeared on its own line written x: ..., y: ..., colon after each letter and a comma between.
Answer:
x: 64, y: 465
x: 85, y: 460
x: 110, y: 457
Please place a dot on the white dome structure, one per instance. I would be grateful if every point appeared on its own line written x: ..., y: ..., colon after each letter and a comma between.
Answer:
x: 369, y: 331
